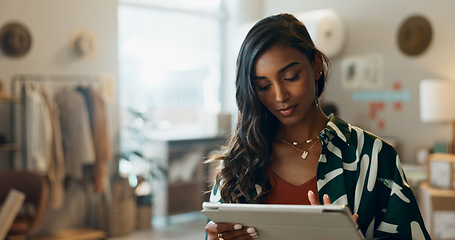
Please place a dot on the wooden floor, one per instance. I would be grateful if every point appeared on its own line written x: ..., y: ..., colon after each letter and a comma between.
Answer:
x: 179, y: 227
x: 184, y: 227
x: 75, y: 234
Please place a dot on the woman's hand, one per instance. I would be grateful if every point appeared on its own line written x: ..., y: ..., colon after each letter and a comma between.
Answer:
x: 314, y: 201
x: 228, y: 231
x: 325, y: 199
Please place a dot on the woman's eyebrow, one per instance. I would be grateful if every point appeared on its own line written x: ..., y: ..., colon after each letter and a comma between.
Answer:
x: 287, y: 67
x: 279, y: 72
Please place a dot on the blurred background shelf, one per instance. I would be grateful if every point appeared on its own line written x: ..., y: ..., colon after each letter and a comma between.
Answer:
x: 10, y: 100
x: 5, y: 147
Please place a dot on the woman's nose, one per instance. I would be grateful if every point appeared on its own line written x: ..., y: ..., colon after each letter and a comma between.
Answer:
x: 281, y: 94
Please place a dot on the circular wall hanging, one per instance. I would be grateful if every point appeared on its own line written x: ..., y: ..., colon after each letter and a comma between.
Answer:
x: 84, y: 43
x: 414, y: 35
x: 15, y: 39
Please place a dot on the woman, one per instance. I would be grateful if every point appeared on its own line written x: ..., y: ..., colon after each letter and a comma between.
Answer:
x: 285, y: 150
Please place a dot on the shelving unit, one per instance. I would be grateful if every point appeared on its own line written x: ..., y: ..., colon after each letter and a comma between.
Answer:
x: 6, y: 147
x: 187, y: 181
x: 10, y: 146
x: 9, y: 100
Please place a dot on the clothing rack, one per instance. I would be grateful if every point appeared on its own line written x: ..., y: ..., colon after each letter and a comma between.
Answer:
x: 24, y: 78
x: 18, y: 84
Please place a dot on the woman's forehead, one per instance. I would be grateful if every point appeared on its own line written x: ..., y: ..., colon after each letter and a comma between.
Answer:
x: 277, y: 57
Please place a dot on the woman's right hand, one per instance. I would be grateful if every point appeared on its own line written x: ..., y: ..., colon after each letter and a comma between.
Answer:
x: 228, y: 231
x: 325, y: 199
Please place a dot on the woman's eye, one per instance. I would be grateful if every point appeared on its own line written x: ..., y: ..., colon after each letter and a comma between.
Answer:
x: 263, y: 88
x: 292, y: 78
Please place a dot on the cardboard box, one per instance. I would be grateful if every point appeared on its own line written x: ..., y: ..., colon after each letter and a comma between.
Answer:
x: 438, y: 211
x: 441, y: 170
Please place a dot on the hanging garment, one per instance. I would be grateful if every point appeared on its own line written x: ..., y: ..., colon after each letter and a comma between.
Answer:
x: 57, y: 169
x: 85, y: 91
x: 38, y: 131
x: 76, y: 135
x: 102, y: 140
x: 100, y: 132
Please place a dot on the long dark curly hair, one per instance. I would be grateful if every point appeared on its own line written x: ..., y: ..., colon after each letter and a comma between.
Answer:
x: 245, y: 157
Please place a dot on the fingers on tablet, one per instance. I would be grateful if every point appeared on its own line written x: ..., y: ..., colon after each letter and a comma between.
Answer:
x: 355, y: 216
x: 326, y: 199
x: 240, y: 234
x: 252, y: 232
x: 312, y: 198
x: 314, y: 201
x: 238, y: 226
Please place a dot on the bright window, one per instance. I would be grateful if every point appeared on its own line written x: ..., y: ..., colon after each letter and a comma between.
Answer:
x: 169, y: 59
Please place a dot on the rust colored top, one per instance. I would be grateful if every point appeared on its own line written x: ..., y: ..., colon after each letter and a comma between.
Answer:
x: 285, y: 193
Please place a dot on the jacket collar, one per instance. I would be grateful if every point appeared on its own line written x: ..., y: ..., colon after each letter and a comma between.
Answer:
x: 336, y: 127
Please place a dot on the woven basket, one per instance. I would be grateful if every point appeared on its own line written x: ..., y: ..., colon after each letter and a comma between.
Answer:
x: 120, y: 218
x: 144, y: 217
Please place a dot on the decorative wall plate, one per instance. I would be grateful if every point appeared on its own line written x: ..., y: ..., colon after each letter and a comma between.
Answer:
x: 15, y: 39
x: 414, y: 35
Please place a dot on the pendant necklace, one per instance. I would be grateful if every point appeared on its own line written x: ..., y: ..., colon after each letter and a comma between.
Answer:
x: 294, y: 144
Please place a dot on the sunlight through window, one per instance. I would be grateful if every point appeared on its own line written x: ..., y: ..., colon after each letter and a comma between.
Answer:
x: 169, y: 66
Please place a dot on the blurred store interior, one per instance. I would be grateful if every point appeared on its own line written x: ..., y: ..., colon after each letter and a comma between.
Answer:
x: 157, y: 81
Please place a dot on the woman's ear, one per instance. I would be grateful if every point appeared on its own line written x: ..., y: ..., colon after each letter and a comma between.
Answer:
x: 318, y: 65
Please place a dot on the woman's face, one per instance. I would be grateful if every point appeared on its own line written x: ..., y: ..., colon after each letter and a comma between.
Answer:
x: 285, y: 83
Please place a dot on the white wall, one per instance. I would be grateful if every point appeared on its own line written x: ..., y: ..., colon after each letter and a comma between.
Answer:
x: 52, y: 23
x: 240, y: 14
x: 372, y: 28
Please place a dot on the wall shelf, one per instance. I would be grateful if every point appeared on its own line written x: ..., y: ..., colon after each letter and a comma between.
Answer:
x: 10, y: 100
x: 4, y: 147
x: 184, y: 188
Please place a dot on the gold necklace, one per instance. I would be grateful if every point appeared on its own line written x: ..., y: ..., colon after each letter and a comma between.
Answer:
x: 295, y: 143
x: 304, y: 152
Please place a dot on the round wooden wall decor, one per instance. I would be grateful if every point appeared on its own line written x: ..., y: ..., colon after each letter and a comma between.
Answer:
x: 414, y: 35
x: 15, y: 40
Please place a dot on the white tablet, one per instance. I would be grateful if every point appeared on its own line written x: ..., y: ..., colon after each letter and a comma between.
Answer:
x: 272, y: 221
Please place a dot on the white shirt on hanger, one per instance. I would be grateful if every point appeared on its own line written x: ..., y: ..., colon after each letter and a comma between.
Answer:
x: 38, y: 131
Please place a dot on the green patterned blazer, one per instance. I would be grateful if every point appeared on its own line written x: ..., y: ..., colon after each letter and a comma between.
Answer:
x: 362, y: 171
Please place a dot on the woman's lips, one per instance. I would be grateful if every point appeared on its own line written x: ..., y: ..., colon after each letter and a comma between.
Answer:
x: 285, y: 112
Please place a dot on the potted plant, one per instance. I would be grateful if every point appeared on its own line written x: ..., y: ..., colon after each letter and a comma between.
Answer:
x: 141, y: 170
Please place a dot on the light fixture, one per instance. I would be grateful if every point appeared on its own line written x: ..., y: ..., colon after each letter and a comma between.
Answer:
x: 437, y: 98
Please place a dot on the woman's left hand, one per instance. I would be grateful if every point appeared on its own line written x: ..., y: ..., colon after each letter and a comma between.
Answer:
x: 314, y: 201
x: 325, y: 199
